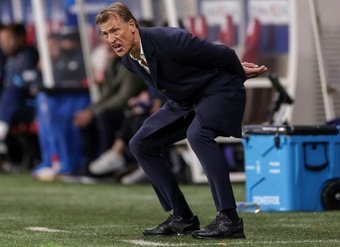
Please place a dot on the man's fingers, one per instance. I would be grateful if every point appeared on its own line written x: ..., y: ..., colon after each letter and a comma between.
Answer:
x: 253, y: 70
x: 261, y: 69
x: 254, y: 66
x: 249, y: 65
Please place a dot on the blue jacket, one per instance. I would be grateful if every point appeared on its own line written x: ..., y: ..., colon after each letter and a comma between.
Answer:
x: 21, y: 70
x: 188, y: 71
x: 20, y: 73
x: 2, y: 67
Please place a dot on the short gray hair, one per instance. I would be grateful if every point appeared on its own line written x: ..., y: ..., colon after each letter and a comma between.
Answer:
x: 118, y: 9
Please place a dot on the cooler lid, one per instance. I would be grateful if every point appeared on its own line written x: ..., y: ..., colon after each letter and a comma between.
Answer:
x: 291, y: 129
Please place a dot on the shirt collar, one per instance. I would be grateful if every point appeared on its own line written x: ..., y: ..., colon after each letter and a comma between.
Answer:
x: 142, y: 55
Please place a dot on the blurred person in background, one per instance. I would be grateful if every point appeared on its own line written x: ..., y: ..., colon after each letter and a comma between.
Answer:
x: 204, y: 83
x: 68, y: 61
x: 101, y: 56
x: 2, y: 61
x: 53, y: 42
x: 20, y: 75
x: 118, y: 86
x: 140, y: 108
x: 60, y: 141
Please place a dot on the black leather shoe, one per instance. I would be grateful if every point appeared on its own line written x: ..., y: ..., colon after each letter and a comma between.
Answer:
x: 221, y: 227
x: 174, y: 225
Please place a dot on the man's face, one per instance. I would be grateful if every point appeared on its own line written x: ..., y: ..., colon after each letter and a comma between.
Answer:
x: 9, y: 42
x: 119, y: 34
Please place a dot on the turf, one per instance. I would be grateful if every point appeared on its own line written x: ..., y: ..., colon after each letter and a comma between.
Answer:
x: 114, y: 215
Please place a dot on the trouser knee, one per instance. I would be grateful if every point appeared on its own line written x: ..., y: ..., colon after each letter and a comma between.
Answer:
x: 135, y: 145
x: 139, y: 145
x: 195, y: 139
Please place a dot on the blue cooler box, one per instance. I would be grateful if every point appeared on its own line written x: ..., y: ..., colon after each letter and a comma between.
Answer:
x: 292, y: 168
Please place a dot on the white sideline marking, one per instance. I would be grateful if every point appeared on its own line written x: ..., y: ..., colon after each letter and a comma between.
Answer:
x: 153, y: 243
x: 43, y: 229
x: 145, y: 243
x: 225, y: 242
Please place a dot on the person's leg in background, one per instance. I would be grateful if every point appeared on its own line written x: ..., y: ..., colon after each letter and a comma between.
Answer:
x: 89, y: 141
x: 11, y: 100
x: 108, y: 124
x: 114, y: 159
x: 12, y: 110
x: 131, y: 126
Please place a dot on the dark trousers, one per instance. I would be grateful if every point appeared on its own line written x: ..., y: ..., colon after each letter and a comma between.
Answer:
x: 108, y: 124
x: 149, y: 153
x: 16, y: 105
x: 100, y: 135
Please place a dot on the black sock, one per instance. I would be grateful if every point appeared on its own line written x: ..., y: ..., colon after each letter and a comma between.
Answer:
x: 232, y: 214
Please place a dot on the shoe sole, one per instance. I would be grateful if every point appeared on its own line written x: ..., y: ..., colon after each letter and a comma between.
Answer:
x: 234, y: 236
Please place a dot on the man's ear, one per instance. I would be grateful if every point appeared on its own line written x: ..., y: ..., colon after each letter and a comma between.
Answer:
x: 132, y: 25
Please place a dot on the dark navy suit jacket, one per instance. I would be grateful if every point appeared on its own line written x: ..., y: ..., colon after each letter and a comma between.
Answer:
x: 190, y: 72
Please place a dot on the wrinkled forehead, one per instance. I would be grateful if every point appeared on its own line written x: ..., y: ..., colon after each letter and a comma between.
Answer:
x: 112, y: 21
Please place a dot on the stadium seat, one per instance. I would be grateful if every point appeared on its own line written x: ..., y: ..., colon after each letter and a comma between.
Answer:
x: 197, y: 25
x: 227, y: 32
x: 252, y: 41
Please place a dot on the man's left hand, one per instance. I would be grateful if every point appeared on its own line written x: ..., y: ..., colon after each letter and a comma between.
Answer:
x: 253, y: 70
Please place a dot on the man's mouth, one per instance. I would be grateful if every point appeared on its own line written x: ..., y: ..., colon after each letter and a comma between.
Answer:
x: 117, y: 47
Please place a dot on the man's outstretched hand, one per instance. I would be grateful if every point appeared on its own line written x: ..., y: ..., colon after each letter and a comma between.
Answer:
x: 253, y: 70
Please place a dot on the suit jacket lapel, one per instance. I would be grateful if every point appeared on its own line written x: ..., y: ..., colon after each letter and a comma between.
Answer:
x: 152, y: 63
x: 150, y: 58
x: 140, y: 71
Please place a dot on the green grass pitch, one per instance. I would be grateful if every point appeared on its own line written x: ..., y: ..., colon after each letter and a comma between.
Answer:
x: 56, y: 214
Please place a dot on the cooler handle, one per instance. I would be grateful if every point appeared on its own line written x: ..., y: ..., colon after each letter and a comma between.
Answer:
x: 313, y: 167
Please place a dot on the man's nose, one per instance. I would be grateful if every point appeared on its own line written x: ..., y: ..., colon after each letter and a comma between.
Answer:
x: 111, y: 38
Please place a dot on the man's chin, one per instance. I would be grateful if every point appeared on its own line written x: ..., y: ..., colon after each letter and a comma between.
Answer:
x: 120, y: 54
